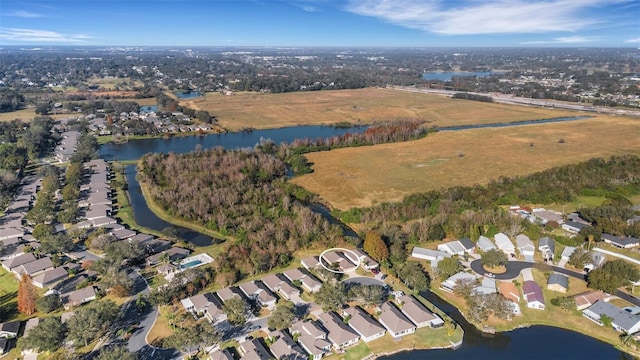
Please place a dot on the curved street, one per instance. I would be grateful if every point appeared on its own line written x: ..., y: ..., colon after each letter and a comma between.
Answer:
x: 515, y: 267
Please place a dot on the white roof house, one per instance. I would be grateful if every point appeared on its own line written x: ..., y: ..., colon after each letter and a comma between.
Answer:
x: 428, y: 254
x: 452, y: 247
x: 504, y: 244
x: 525, y: 246
x: 566, y: 253
x: 485, y: 244
x: 451, y: 283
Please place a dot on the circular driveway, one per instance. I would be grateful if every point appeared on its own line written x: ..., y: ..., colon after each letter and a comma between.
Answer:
x: 515, y: 267
x: 363, y: 280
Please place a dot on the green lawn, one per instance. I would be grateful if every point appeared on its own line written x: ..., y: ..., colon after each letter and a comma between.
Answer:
x: 8, y: 293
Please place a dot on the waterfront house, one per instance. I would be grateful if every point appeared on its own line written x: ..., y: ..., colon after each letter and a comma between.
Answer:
x: 258, y: 292
x: 621, y: 320
x: 533, y: 295
x: 588, y: 298
x: 484, y: 244
x: 558, y: 282
x: 173, y: 254
x: 620, y: 242
x: 396, y: 323
x: 415, y: 311
x: 487, y: 286
x: 525, y: 247
x: 547, y: 246
x: 450, y: 284
x: 504, y: 244
x: 123, y: 234
x: 511, y: 292
x: 366, y: 326
x: 340, y: 335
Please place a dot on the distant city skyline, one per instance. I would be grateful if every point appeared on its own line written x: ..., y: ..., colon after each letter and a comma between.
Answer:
x: 323, y: 23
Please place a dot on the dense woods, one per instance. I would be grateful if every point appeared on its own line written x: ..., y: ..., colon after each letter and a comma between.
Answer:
x: 241, y: 193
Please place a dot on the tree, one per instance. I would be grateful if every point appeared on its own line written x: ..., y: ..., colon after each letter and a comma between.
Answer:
x: 26, y: 295
x: 368, y: 294
x: 579, y: 258
x: 116, y: 353
x: 91, y: 321
x: 436, y: 232
x: 494, y: 258
x: 606, y: 320
x: 192, y: 338
x: 612, y: 275
x: 331, y: 296
x: 283, y: 316
x: 42, y: 231
x: 566, y: 303
x: 236, y: 309
x: 413, y: 275
x: 48, y: 335
x: 376, y: 247
x: 49, y: 303
x: 56, y: 244
x: 448, y: 267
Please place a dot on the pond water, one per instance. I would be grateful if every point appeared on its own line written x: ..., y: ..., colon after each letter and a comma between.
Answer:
x: 149, y: 108
x: 535, y: 342
x: 447, y: 76
x: 187, y: 95
x: 134, y: 149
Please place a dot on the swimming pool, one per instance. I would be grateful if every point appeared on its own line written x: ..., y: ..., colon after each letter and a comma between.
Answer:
x: 190, y: 264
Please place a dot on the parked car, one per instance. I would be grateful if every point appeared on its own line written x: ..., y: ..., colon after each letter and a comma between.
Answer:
x: 253, y: 328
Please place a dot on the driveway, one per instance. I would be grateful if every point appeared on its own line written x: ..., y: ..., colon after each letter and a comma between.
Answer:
x: 515, y: 267
x: 527, y: 275
x: 363, y: 280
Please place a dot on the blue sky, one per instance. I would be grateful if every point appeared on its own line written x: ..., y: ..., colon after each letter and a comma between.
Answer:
x: 351, y: 23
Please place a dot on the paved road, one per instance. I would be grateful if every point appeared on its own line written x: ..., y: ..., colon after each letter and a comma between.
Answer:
x: 363, y: 280
x: 514, y: 268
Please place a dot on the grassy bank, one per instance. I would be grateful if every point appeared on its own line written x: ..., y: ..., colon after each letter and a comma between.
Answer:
x: 363, y: 176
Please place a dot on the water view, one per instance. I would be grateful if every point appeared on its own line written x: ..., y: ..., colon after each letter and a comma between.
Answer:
x: 447, y: 76
x: 187, y: 95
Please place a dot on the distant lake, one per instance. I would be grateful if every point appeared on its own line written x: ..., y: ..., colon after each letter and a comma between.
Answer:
x: 446, y: 76
x: 149, y: 108
x: 187, y: 95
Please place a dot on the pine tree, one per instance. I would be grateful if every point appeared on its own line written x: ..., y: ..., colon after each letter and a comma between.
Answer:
x: 26, y: 296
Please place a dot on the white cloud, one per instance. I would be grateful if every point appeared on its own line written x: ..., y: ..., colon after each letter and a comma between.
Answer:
x: 41, y: 36
x: 576, y: 39
x: 481, y: 17
x: 24, y: 14
x: 632, y: 41
x: 306, y: 6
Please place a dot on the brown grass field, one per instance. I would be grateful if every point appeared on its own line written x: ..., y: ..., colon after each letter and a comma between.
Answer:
x: 356, y: 177
x: 263, y: 111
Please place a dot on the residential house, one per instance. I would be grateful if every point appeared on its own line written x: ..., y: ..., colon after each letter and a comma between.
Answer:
x: 566, y: 253
x: 34, y: 268
x: 78, y: 297
x: 396, y: 323
x: 546, y: 216
x: 558, y: 282
x: 511, y: 292
x: 156, y: 245
x: 312, y: 337
x: 10, y: 232
x: 547, y: 246
x: 141, y: 238
x: 533, y: 295
x: 279, y: 284
x: 307, y: 281
x: 205, y: 305
x: 588, y: 298
x: 173, y: 254
x: 338, y: 258
x: 427, y: 254
x: 450, y: 284
x: 254, y: 350
x: 574, y: 226
x: 597, y: 259
x: 340, y: 335
x: 468, y: 245
x: 258, y: 292
x: 227, y: 293
x: 366, y: 326
x: 310, y: 263
x: 525, y: 247
x: 452, y: 248
x: 222, y: 354
x: 484, y: 244
x: 620, y: 242
x: 9, y: 330
x: 487, y: 286
x: 621, y: 320
x: 361, y: 259
x: 418, y: 313
x: 50, y: 278
x: 17, y: 261
x: 504, y: 244
x: 283, y: 347
x: 123, y: 234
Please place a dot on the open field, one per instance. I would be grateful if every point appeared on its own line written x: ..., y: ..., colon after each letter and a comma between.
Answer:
x: 262, y: 111
x: 26, y: 115
x: 356, y: 177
